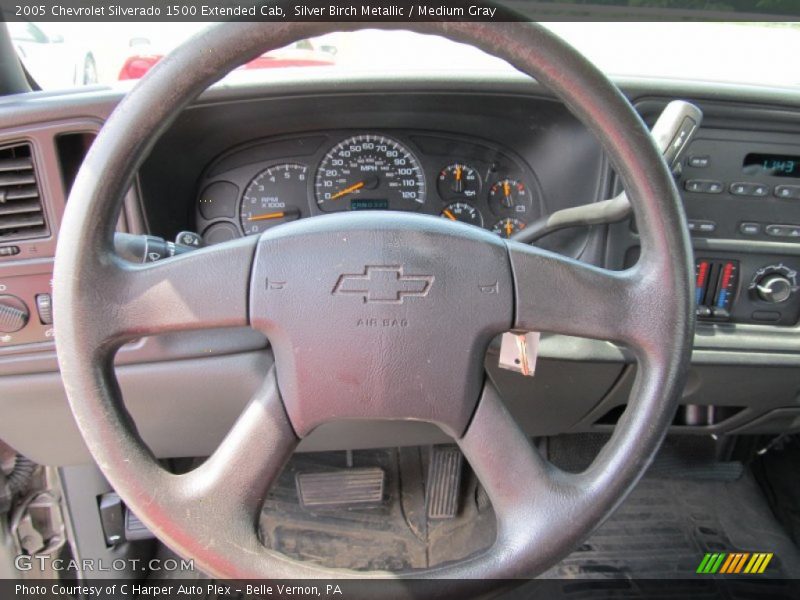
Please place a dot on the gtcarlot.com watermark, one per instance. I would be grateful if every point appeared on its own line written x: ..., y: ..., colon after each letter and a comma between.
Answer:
x: 97, y: 565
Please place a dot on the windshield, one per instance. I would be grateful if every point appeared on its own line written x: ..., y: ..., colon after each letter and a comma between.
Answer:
x: 62, y: 55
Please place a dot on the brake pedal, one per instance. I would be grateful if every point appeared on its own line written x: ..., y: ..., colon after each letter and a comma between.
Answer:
x: 357, y: 487
x: 444, y: 482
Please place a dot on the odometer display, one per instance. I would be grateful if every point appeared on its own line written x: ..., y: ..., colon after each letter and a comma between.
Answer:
x: 369, y: 169
x: 369, y: 205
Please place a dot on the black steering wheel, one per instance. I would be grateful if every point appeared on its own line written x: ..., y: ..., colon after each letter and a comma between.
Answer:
x: 443, y: 290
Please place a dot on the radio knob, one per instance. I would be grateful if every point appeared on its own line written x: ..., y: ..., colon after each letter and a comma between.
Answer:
x: 774, y: 288
x: 14, y: 314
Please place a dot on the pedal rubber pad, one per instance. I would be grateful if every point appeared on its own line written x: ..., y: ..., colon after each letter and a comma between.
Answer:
x: 444, y: 482
x: 356, y: 487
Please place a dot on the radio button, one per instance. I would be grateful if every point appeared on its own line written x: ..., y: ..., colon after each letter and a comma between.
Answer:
x: 706, y: 227
x: 694, y: 185
x: 701, y: 226
x: 703, y: 186
x: 699, y: 162
x: 744, y: 188
x: 787, y: 191
x: 760, y: 189
x: 741, y: 189
x: 785, y: 231
x: 750, y: 228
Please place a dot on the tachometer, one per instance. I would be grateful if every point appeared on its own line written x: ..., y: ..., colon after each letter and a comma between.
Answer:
x: 275, y: 196
x: 369, y: 172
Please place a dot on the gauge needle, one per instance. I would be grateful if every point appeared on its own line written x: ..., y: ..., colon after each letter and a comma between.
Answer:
x: 348, y: 190
x: 458, y: 186
x: 506, y: 189
x: 509, y: 227
x: 449, y: 215
x: 274, y: 215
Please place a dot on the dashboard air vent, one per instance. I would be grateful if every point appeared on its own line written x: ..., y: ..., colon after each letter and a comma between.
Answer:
x: 21, y: 212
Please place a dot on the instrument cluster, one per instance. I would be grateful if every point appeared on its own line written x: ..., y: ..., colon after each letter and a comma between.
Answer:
x: 264, y: 184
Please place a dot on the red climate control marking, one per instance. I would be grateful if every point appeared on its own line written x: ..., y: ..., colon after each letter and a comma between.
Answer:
x: 702, y: 272
x: 726, y: 274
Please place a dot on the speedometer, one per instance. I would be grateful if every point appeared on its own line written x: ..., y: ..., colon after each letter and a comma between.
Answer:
x: 369, y: 172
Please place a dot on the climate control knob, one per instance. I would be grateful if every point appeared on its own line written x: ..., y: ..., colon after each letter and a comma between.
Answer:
x: 14, y: 314
x: 774, y: 288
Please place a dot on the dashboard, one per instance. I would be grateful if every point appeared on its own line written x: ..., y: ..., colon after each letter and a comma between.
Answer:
x: 493, y: 153
x: 264, y: 184
x: 740, y: 191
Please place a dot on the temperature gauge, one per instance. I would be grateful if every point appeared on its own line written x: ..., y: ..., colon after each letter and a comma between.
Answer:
x: 508, y: 227
x: 509, y: 196
x: 459, y: 180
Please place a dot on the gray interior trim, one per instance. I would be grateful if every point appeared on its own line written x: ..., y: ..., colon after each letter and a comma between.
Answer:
x: 182, y: 408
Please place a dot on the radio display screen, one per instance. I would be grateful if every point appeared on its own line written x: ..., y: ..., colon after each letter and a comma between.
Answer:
x: 776, y: 165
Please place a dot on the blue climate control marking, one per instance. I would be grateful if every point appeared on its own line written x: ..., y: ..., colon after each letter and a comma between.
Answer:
x: 723, y: 298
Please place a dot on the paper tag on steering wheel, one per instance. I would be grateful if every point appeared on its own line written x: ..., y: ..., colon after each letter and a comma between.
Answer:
x: 518, y: 352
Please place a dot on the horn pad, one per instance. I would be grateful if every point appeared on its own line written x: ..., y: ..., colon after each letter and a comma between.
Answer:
x: 380, y: 316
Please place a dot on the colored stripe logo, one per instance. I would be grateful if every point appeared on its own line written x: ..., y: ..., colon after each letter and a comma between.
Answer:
x: 729, y: 563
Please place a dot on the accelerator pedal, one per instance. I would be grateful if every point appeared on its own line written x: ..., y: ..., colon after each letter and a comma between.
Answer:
x: 347, y: 487
x: 444, y: 482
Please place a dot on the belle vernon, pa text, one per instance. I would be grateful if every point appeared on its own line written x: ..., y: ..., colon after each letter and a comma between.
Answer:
x: 140, y: 590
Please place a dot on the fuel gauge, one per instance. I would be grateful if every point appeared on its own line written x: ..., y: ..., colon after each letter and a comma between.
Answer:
x: 464, y: 213
x: 459, y: 181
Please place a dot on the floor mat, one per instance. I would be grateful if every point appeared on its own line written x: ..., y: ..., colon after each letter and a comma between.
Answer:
x: 666, y: 526
x: 661, y: 532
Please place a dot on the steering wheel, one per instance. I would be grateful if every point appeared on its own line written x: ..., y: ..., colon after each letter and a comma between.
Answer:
x: 373, y: 315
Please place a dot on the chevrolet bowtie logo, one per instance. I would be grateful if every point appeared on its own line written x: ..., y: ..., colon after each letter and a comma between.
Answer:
x: 383, y: 284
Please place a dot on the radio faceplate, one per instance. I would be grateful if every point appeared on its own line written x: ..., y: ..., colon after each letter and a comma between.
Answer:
x: 737, y: 185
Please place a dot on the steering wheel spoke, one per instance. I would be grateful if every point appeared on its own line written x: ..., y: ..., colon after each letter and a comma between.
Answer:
x: 528, y: 493
x: 562, y: 295
x: 203, y: 289
x: 237, y: 477
x: 521, y: 462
